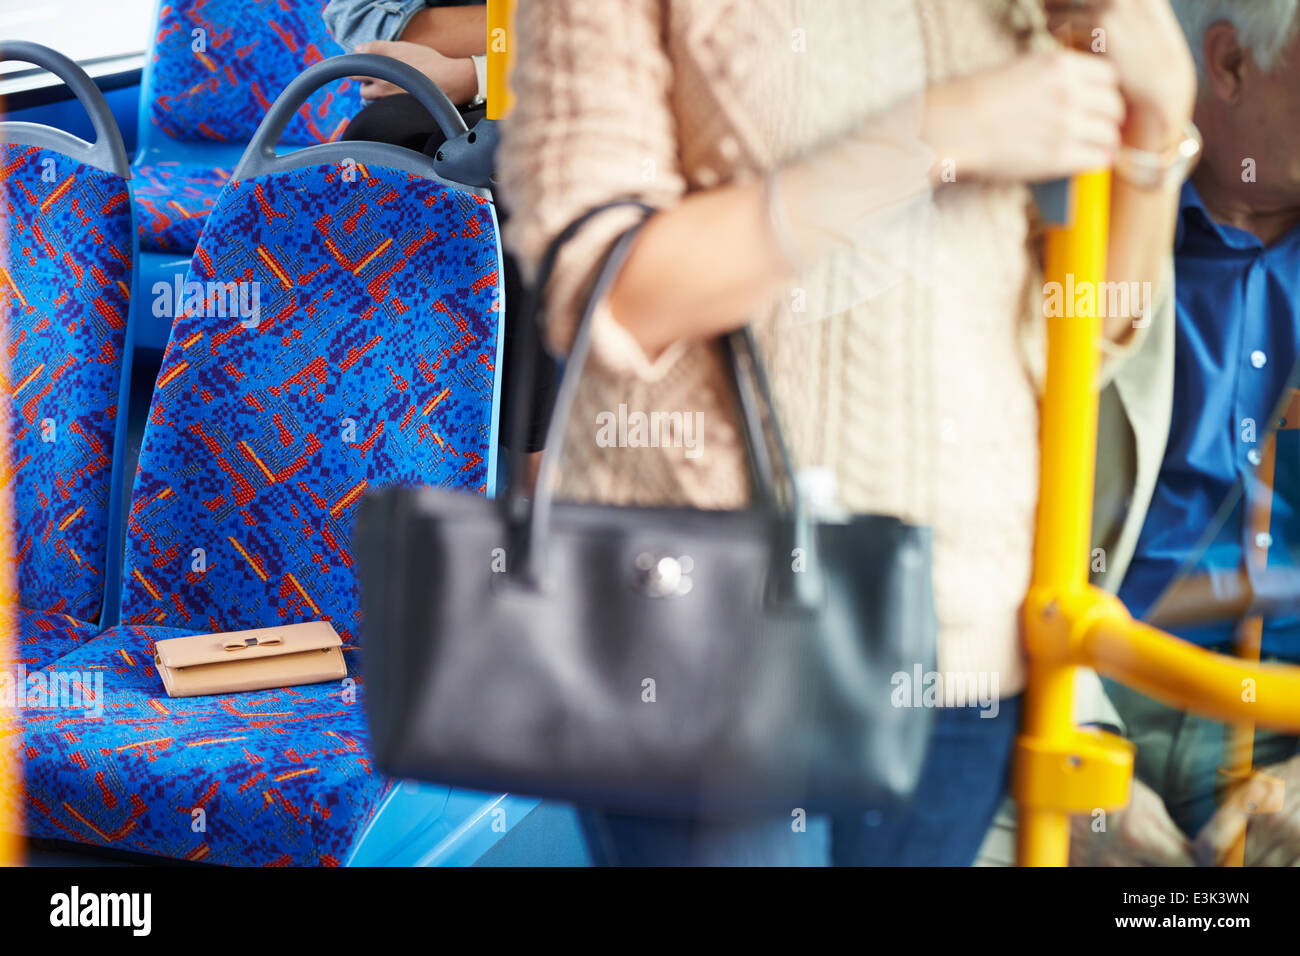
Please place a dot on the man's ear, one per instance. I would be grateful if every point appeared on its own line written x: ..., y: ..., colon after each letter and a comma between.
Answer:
x: 1225, y: 61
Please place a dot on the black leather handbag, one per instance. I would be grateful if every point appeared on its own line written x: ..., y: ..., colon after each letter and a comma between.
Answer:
x: 668, y: 661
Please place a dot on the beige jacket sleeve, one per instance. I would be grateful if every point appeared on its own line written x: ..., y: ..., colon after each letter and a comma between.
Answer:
x: 591, y: 123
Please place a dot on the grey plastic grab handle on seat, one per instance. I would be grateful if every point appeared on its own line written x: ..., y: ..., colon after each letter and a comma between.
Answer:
x: 260, y: 158
x: 107, y: 152
x: 471, y: 157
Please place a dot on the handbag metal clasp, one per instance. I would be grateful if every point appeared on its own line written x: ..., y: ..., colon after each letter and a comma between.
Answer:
x: 662, y: 575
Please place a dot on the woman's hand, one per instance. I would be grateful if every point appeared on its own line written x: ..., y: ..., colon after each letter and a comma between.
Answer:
x: 455, y: 77
x: 1142, y: 39
x: 1042, y: 117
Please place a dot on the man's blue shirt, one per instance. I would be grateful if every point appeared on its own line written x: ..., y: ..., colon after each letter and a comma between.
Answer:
x: 1237, y: 329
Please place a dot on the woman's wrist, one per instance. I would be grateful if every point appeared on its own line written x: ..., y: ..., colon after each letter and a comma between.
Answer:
x: 1159, y: 121
x: 945, y: 131
x: 1154, y: 132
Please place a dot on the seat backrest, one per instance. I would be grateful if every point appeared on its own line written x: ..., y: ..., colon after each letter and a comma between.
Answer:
x: 216, y: 66
x: 66, y: 261
x: 348, y: 339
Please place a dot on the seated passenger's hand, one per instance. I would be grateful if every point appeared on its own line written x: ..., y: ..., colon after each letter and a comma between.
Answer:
x: 1141, y: 834
x: 1266, y: 809
x: 455, y: 77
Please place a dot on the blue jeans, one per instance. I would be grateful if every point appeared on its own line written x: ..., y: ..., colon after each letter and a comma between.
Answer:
x: 962, y: 783
x: 615, y: 839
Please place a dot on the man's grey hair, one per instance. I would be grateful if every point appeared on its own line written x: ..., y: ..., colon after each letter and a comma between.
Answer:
x: 1264, y: 27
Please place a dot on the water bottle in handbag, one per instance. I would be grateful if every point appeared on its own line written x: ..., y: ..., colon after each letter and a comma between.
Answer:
x: 668, y: 661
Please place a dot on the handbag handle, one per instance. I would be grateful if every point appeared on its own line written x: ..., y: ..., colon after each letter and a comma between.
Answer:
x: 530, y: 520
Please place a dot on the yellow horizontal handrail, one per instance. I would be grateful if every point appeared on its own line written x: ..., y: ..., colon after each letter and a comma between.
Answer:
x: 1068, y: 623
x: 1191, y: 678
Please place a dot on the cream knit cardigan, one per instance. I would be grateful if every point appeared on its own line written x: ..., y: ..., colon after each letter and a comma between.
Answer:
x: 919, y: 398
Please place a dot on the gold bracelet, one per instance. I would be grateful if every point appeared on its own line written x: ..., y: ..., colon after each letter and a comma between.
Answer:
x: 1148, y: 170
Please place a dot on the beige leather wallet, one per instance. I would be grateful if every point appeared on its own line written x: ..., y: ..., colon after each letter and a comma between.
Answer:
x: 250, y: 660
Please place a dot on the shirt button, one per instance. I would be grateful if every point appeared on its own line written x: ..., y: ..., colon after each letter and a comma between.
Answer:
x: 1263, y: 539
x: 1258, y: 359
x: 1253, y: 456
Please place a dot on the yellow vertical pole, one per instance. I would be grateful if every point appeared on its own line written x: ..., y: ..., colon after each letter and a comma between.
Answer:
x: 10, y: 722
x: 1237, y: 765
x: 1076, y: 259
x: 499, y: 57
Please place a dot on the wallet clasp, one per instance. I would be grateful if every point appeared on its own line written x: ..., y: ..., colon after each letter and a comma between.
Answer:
x: 253, y: 641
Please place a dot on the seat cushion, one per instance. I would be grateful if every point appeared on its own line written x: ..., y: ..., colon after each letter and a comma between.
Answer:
x: 41, y: 637
x: 172, y: 203
x: 267, y: 778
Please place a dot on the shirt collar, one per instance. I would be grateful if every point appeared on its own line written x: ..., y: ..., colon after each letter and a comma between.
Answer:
x: 1195, y: 220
